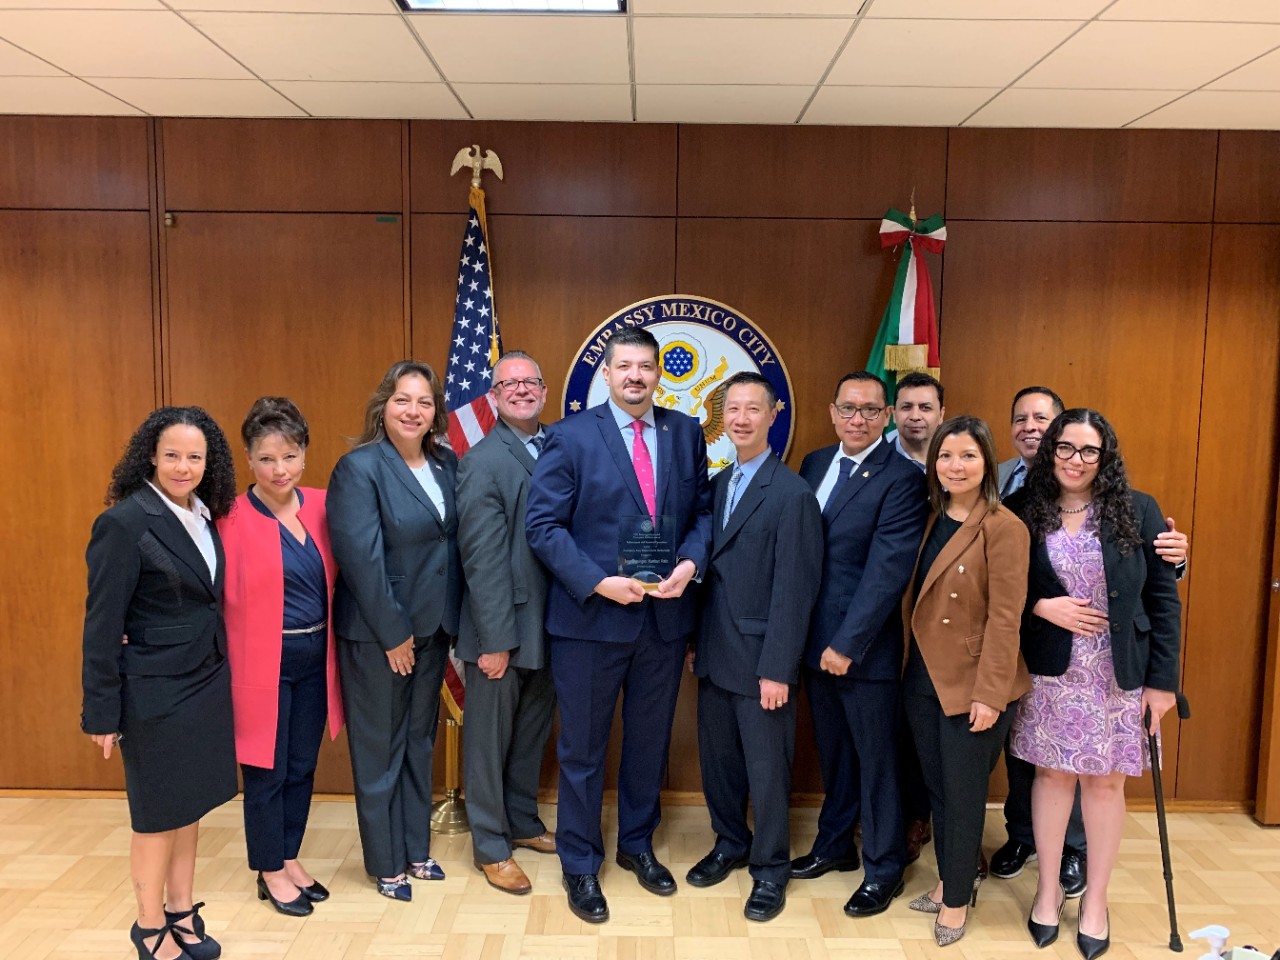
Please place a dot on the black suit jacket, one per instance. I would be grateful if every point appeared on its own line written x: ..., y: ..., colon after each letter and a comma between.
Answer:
x: 149, y: 581
x: 398, y: 560
x: 766, y: 564
x: 1143, y: 606
x: 872, y: 535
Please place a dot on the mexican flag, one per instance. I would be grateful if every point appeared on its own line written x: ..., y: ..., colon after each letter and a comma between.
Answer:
x: 908, y: 335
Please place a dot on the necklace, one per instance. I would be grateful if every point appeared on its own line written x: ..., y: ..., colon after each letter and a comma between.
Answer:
x: 1080, y: 509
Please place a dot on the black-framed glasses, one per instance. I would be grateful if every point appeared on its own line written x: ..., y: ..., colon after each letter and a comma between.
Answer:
x: 1065, y: 451
x: 510, y: 386
x: 869, y: 413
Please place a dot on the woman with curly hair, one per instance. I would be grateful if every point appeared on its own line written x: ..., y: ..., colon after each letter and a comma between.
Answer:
x: 393, y: 524
x: 1100, y: 634
x: 164, y: 693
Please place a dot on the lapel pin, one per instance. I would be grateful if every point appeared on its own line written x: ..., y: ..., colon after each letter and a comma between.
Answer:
x: 960, y: 568
x: 664, y: 428
x: 866, y: 473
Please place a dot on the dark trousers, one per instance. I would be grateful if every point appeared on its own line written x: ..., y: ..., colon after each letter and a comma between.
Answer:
x: 391, y: 728
x: 588, y: 676
x: 855, y: 725
x: 1017, y: 806
x: 745, y: 750
x: 277, y: 800
x: 957, y: 766
x: 508, y: 721
x: 915, y: 794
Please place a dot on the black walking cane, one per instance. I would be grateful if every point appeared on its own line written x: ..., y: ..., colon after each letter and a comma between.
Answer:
x: 1184, y: 713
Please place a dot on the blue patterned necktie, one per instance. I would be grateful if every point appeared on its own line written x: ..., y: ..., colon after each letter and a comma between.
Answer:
x: 537, y: 443
x: 730, y: 500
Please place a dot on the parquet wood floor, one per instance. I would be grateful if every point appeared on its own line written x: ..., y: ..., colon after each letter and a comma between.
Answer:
x: 64, y: 893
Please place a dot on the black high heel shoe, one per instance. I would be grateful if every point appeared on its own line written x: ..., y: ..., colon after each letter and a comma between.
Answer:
x: 204, y: 947
x: 138, y: 936
x: 1044, y: 934
x: 300, y: 906
x: 315, y: 892
x: 1092, y: 947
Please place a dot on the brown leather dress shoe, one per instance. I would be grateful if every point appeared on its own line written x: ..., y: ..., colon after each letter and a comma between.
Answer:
x: 919, y: 832
x: 545, y: 842
x: 507, y: 876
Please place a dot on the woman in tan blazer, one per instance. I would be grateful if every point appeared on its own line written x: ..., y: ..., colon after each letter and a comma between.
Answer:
x: 962, y: 668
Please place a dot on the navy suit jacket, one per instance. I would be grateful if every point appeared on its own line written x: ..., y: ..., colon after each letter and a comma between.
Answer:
x: 766, y: 563
x: 873, y: 533
x: 584, y: 482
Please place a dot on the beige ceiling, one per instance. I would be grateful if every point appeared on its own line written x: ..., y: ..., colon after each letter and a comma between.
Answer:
x: 1037, y: 63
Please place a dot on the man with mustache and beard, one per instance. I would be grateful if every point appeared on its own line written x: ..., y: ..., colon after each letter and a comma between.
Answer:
x: 602, y: 472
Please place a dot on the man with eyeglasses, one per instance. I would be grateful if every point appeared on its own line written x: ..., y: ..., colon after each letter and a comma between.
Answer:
x: 510, y: 697
x: 873, y: 509
x: 1034, y: 408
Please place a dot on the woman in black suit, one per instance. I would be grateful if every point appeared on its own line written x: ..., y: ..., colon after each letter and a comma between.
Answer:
x: 1100, y: 634
x: 393, y: 527
x: 164, y: 695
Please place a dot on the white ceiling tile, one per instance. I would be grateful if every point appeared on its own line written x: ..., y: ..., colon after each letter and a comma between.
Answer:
x: 746, y: 8
x: 988, y: 9
x: 527, y: 49
x: 1238, y: 11
x: 18, y: 63
x: 425, y: 101
x: 729, y: 51
x: 713, y: 103
x: 896, y: 106
x: 942, y: 53
x: 547, y: 101
x: 289, y: 6
x: 1017, y: 107
x: 1218, y: 110
x: 81, y: 5
x: 1261, y: 74
x: 317, y: 46
x: 1151, y: 56
x: 58, y: 95
x: 117, y: 43
x: 202, y: 98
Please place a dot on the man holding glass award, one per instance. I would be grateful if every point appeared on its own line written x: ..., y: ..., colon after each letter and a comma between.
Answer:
x: 619, y: 511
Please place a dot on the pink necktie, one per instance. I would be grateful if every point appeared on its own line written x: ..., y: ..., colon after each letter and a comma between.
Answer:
x: 644, y: 468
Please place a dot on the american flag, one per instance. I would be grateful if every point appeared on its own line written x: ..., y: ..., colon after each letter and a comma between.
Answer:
x: 473, y: 350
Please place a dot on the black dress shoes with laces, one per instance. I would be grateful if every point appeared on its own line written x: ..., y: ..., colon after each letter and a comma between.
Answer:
x: 586, y: 899
x: 713, y: 868
x: 1072, y: 874
x: 872, y: 898
x: 766, y: 901
x: 653, y: 876
x: 1008, y: 861
x: 811, y: 866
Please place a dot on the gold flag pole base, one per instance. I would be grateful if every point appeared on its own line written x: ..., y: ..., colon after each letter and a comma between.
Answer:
x: 449, y: 816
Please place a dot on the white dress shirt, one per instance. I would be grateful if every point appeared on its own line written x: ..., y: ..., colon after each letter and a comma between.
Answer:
x: 196, y: 522
x: 426, y: 477
x: 824, y: 489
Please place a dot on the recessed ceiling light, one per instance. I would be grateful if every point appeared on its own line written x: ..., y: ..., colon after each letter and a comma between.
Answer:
x: 516, y: 6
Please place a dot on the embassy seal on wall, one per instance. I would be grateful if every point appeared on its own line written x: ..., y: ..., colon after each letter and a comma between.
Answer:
x: 701, y: 344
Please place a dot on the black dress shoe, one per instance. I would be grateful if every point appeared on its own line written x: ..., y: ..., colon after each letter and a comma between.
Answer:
x: 713, y: 868
x: 872, y: 898
x: 766, y: 901
x: 1073, y: 874
x: 811, y: 866
x: 1044, y: 934
x: 299, y: 906
x: 1091, y: 947
x: 1008, y: 861
x: 585, y: 897
x: 188, y: 928
x: 652, y: 875
x: 316, y: 892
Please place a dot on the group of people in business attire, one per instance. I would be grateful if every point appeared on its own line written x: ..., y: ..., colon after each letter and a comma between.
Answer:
x: 887, y: 578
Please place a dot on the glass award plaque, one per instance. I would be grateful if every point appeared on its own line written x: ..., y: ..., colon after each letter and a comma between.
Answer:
x: 646, y: 549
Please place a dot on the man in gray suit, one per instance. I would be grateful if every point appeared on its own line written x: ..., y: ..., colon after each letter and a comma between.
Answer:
x: 510, y: 697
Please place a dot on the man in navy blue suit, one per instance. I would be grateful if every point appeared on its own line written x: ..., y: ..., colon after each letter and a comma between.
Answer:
x: 873, y: 508
x: 611, y: 465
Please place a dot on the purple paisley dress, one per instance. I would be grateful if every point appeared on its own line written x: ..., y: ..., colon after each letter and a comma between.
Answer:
x: 1082, y: 722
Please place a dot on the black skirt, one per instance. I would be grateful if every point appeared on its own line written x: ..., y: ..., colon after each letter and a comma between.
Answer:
x: 178, y: 745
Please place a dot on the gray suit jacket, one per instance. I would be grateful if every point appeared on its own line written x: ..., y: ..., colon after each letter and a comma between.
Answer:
x: 507, y: 585
x: 1006, y: 468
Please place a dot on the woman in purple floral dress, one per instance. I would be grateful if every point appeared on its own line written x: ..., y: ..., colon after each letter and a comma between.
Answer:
x: 1100, y: 635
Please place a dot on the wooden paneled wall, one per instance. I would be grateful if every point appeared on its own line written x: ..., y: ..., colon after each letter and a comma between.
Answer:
x: 1133, y: 271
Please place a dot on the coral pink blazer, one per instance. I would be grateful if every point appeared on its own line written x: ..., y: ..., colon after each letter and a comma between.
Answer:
x: 253, y: 604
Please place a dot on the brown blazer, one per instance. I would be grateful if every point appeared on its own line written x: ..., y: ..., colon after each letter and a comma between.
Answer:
x: 967, y: 619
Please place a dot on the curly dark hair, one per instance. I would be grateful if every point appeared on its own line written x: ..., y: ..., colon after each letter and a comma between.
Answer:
x: 217, y: 487
x: 1112, y: 504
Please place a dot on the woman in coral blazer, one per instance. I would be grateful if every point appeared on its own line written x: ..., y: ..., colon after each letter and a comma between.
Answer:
x: 284, y: 673
x: 963, y: 670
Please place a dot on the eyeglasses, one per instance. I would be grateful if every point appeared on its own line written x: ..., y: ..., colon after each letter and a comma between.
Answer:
x: 510, y: 386
x: 869, y: 414
x: 1065, y: 451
